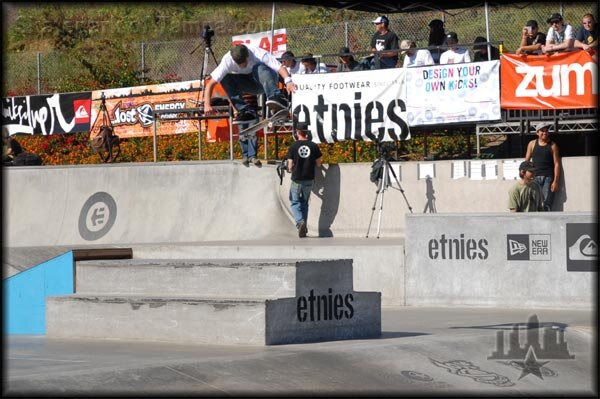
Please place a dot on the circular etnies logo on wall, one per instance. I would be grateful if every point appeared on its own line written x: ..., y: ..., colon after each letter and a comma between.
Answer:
x: 97, y: 216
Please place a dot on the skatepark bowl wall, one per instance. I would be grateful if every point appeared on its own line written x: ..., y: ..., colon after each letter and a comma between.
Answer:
x: 223, y: 210
x: 223, y: 200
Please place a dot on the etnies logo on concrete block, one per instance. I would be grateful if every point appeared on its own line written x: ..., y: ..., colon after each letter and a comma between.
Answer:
x: 460, y: 248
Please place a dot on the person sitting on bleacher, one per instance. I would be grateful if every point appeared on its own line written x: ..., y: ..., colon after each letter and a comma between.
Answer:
x: 346, y: 61
x: 481, y: 51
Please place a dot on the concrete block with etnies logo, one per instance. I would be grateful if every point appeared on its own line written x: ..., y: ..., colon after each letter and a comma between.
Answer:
x: 215, y: 302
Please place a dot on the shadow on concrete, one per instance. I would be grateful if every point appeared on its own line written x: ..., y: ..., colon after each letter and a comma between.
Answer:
x: 327, y: 188
x: 430, y: 195
x: 560, y: 197
x: 521, y: 326
x: 398, y: 334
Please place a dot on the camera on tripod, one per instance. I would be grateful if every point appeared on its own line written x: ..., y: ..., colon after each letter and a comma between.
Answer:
x: 207, y: 35
x: 386, y: 150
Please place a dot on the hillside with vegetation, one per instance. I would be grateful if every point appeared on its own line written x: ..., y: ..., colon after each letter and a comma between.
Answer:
x: 76, y: 47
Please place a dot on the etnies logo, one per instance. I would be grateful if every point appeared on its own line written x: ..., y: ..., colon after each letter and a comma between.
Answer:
x: 324, y: 307
x: 458, y: 248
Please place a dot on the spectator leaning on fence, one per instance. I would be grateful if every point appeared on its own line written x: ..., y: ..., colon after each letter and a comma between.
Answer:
x: 414, y: 57
x: 384, y: 39
x: 437, y: 39
x: 532, y: 40
x: 312, y: 66
x: 346, y: 62
x: 454, y: 54
x: 291, y: 64
x: 480, y: 51
x: 587, y: 35
x: 560, y: 36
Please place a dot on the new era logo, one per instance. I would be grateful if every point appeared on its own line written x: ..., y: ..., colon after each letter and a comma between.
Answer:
x: 515, y: 247
x: 528, y: 247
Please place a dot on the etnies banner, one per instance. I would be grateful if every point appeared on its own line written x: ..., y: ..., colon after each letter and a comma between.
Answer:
x: 361, y: 105
x: 558, y: 81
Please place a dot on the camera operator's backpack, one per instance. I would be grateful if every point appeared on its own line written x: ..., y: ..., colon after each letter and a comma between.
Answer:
x: 377, y: 170
x: 106, y: 144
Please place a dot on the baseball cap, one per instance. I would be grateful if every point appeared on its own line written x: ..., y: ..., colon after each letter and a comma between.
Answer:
x: 527, y: 165
x: 554, y: 17
x: 452, y: 36
x: 344, y: 51
x: 480, y: 39
x: 287, y: 56
x: 542, y: 125
x: 382, y: 19
x: 532, y: 22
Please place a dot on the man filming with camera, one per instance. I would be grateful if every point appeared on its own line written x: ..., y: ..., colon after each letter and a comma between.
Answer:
x: 249, y: 69
x: 302, y: 157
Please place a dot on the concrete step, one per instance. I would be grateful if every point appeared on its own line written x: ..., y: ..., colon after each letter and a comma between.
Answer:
x: 207, y: 278
x: 182, y: 319
x: 321, y: 304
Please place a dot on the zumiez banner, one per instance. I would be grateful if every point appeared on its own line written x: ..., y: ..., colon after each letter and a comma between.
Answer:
x: 551, y: 81
x: 361, y: 105
x: 453, y: 93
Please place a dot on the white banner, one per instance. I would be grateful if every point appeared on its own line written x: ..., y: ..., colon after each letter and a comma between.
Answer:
x: 263, y: 40
x: 361, y: 105
x: 453, y: 93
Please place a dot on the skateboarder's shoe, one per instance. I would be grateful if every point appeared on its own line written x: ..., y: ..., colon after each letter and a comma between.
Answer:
x: 245, y: 117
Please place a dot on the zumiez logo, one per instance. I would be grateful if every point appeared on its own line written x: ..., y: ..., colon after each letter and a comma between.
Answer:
x: 458, y: 248
x: 560, y: 80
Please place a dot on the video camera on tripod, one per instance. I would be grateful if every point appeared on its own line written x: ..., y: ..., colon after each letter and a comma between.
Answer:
x: 380, y: 175
x: 207, y: 35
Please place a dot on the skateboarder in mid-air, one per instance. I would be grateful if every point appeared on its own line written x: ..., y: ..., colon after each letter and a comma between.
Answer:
x: 249, y: 69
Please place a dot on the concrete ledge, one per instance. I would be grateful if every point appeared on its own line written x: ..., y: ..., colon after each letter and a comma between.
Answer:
x: 503, y: 260
x: 323, y: 306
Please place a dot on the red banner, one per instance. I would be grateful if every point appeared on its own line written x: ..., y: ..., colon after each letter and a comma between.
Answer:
x: 556, y: 81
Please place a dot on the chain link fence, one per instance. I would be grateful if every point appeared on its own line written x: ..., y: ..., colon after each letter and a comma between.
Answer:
x: 184, y: 60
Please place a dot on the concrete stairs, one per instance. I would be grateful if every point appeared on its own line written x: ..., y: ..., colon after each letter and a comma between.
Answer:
x: 215, y: 302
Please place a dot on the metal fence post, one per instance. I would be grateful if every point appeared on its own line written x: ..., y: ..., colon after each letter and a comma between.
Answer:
x: 346, y: 33
x: 39, y: 73
x: 143, y: 63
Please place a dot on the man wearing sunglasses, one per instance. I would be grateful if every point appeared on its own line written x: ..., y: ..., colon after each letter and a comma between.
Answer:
x: 560, y: 36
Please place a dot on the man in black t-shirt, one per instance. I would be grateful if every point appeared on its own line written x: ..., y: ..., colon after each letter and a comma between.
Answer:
x: 303, y: 157
x: 384, y: 39
x: 532, y: 39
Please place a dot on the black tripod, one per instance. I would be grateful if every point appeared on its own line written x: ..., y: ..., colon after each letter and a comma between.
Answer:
x: 383, y: 183
x: 207, y: 35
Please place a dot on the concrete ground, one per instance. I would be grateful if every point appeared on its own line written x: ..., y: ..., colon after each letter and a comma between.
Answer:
x: 423, y: 351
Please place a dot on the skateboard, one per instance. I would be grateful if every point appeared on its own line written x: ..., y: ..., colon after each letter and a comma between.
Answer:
x: 278, y: 118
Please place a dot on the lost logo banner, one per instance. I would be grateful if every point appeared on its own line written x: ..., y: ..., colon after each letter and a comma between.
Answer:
x: 362, y: 105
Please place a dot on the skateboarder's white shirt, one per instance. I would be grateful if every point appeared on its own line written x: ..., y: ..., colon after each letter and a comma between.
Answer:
x: 255, y: 55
